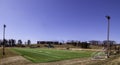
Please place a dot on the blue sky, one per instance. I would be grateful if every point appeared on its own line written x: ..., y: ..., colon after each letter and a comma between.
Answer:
x: 59, y: 19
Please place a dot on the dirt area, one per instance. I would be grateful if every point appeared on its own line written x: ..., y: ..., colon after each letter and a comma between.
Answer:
x: 65, y: 62
x: 114, y: 62
x: 79, y: 49
x: 87, y: 49
x: 19, y: 60
x: 16, y: 60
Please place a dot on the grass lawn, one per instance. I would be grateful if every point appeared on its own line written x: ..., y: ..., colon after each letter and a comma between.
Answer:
x: 49, y: 55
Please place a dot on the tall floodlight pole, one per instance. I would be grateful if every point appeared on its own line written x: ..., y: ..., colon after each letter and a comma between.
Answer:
x: 4, y: 26
x: 108, y: 32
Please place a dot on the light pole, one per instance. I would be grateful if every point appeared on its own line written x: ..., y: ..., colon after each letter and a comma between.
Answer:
x: 4, y: 41
x: 108, y: 32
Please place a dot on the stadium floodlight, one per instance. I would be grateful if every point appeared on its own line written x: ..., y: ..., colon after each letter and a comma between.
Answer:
x: 108, y: 32
x: 4, y: 41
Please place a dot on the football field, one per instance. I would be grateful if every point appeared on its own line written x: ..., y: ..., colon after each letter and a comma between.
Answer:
x: 49, y: 55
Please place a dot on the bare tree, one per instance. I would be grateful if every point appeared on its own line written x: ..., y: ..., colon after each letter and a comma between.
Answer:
x: 28, y: 42
x: 20, y: 43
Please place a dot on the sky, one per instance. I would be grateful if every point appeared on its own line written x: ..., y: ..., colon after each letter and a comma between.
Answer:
x: 58, y: 20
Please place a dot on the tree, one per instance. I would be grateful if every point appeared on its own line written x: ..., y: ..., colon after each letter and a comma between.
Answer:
x: 28, y: 42
x: 10, y: 43
x: 5, y: 42
x: 13, y: 42
x: 85, y: 45
x: 0, y: 43
x: 20, y: 43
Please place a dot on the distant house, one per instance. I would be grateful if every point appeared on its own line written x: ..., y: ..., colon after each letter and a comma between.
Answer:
x: 48, y: 42
x: 94, y: 42
x: 105, y: 42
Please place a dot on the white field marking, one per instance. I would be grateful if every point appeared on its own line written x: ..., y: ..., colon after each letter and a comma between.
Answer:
x: 29, y: 57
x: 47, y: 54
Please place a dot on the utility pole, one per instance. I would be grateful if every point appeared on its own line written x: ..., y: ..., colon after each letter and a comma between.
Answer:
x: 4, y: 41
x: 108, y: 32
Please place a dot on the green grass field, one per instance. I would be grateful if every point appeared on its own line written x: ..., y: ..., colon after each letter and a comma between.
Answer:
x: 48, y: 55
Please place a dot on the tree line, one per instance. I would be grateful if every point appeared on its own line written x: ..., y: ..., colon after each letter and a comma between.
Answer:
x: 86, y: 44
x: 14, y: 43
